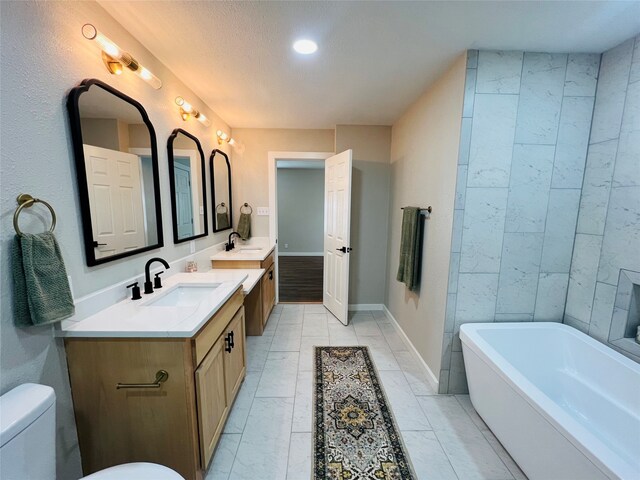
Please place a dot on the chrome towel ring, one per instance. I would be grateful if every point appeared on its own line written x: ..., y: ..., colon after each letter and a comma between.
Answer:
x: 26, y: 201
x: 246, y: 205
x: 221, y: 205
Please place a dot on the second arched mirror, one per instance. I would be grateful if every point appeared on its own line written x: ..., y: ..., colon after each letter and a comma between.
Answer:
x: 188, y: 186
x: 220, y: 169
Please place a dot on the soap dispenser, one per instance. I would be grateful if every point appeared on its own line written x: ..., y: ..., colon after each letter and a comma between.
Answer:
x: 135, y: 291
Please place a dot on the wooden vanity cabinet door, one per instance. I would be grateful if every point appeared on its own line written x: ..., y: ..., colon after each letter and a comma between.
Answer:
x: 211, y: 400
x: 234, y: 361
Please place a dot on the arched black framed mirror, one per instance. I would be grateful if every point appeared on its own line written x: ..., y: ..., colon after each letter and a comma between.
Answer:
x: 116, y: 157
x: 188, y: 186
x: 220, y: 170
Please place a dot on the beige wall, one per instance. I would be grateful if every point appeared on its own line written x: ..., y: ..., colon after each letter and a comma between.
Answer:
x: 371, y: 147
x: 249, y: 172
x: 424, y: 154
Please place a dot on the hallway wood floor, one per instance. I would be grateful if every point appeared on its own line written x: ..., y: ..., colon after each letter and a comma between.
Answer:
x: 300, y: 279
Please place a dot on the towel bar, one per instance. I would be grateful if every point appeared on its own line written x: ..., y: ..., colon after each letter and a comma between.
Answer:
x: 428, y: 209
x: 26, y: 201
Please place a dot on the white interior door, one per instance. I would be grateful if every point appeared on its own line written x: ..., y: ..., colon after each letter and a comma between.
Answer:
x: 184, y: 198
x: 337, y: 234
x: 115, y: 196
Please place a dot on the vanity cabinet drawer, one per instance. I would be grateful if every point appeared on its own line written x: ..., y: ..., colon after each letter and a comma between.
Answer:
x: 267, y: 262
x: 207, y: 336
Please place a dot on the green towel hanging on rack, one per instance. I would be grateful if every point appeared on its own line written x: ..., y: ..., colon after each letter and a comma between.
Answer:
x: 410, y: 244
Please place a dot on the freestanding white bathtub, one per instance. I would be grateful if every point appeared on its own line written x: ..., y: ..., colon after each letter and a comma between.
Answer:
x: 564, y: 405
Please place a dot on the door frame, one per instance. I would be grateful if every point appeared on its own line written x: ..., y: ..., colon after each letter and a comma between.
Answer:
x: 273, y: 158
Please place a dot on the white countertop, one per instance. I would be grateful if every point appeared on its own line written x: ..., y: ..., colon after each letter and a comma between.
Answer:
x: 245, y: 252
x: 130, y: 318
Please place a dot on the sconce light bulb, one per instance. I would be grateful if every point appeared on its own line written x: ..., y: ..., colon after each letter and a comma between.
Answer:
x: 185, y: 116
x: 112, y: 50
x: 203, y: 119
x: 179, y: 101
x: 148, y: 77
x: 232, y: 142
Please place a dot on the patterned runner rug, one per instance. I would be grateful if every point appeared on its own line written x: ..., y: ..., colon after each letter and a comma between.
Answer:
x: 355, y: 436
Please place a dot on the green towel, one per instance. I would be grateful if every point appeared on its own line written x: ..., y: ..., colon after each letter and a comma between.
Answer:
x: 244, y: 226
x: 222, y: 221
x: 410, y: 243
x: 41, y: 288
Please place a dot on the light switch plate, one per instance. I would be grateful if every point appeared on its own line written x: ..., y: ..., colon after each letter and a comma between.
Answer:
x: 263, y: 211
x: 192, y: 246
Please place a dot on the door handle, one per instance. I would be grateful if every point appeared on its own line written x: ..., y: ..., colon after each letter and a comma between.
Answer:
x: 96, y: 244
x: 227, y: 341
x: 344, y: 249
x: 232, y: 342
x: 271, y: 275
x: 161, y: 377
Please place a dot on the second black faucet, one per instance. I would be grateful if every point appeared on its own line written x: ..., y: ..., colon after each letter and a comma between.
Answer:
x: 148, y: 285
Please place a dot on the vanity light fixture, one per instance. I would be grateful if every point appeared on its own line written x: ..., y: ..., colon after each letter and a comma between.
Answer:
x: 187, y: 111
x: 223, y: 137
x: 115, y: 58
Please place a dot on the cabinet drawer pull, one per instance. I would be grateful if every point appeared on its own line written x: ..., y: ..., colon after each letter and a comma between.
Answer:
x: 271, y: 275
x: 227, y: 341
x: 161, y: 377
x: 231, y: 342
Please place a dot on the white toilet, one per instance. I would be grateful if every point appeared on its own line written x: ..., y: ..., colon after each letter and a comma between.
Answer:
x: 27, y: 441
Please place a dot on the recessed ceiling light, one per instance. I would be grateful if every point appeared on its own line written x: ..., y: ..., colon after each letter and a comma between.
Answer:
x: 305, y: 47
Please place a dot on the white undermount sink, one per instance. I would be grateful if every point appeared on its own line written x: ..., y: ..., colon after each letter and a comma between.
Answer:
x: 184, y: 295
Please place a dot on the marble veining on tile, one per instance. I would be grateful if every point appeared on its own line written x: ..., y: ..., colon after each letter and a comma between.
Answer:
x: 484, y: 216
x: 582, y: 280
x: 572, y: 142
x: 541, y: 91
x: 582, y: 74
x: 622, y: 235
x: 562, y: 216
x: 529, y: 188
x: 596, y: 187
x: 627, y: 170
x: 551, y: 297
x: 476, y: 297
x: 492, y: 134
x: 611, y: 92
x: 499, y: 72
x: 519, y: 273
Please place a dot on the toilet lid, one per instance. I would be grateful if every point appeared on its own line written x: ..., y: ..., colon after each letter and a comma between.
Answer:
x: 135, y: 471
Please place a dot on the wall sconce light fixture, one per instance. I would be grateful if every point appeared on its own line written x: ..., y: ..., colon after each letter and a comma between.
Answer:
x: 187, y: 111
x: 223, y: 137
x: 115, y: 58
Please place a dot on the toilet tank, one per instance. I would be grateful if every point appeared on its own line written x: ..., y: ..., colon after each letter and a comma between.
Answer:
x: 27, y: 433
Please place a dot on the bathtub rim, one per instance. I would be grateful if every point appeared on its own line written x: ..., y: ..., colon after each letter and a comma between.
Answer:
x: 589, y: 444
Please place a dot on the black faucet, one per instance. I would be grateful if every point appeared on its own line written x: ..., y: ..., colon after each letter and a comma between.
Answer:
x: 148, y: 285
x: 230, y: 246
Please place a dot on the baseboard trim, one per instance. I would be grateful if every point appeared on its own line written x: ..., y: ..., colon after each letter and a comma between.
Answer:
x: 300, y: 254
x: 433, y: 380
x: 362, y: 307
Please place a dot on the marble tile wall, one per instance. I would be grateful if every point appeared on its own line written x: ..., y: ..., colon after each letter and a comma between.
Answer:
x: 608, y: 229
x: 524, y: 139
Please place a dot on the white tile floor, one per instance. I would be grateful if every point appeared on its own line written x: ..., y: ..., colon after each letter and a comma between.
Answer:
x: 268, y: 433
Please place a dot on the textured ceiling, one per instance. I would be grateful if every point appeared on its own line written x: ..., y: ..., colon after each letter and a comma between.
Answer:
x: 374, y: 58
